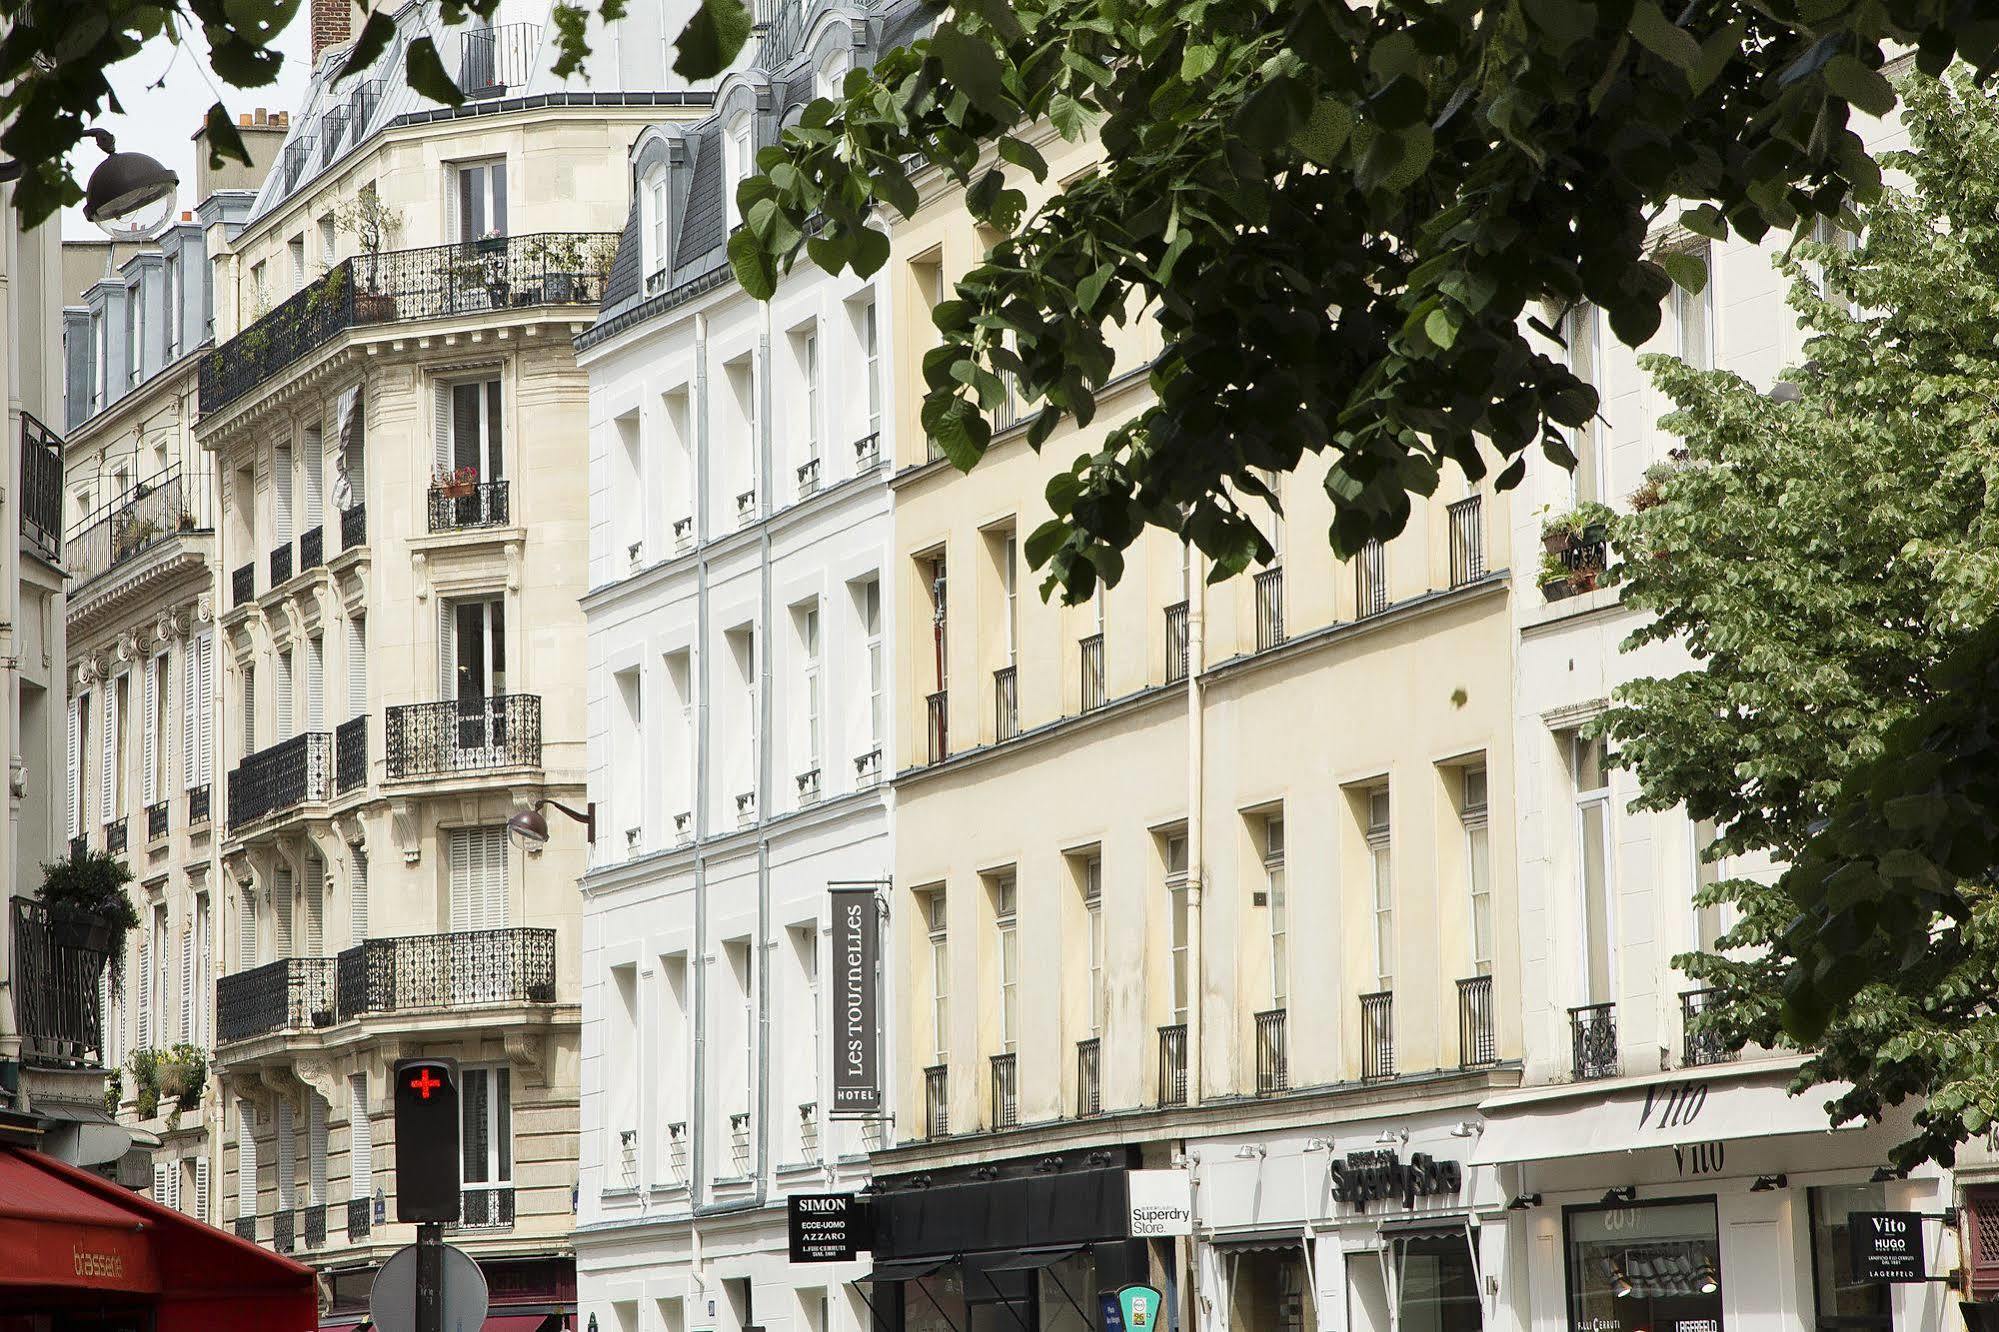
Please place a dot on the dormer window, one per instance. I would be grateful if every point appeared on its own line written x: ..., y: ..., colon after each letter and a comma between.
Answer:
x: 479, y: 199
x: 831, y: 74
x: 739, y: 162
x: 655, y: 220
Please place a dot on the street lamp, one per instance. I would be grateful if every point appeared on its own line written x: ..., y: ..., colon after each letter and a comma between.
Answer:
x: 128, y: 195
x: 528, y: 827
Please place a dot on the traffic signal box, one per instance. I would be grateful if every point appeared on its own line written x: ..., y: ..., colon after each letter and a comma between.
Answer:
x: 427, y: 1140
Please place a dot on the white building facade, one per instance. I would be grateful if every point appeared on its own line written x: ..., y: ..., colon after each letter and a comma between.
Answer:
x: 738, y: 694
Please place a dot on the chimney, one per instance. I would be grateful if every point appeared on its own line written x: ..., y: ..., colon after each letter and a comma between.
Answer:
x: 332, y: 24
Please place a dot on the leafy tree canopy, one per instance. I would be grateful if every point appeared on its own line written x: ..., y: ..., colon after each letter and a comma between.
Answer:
x: 1829, y: 563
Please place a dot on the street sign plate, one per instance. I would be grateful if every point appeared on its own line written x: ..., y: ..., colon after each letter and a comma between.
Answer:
x: 392, y: 1302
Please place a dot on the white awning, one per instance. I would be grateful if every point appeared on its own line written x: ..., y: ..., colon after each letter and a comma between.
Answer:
x: 1667, y: 1113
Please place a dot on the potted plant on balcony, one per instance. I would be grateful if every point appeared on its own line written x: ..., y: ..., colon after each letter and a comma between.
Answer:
x: 86, y: 898
x: 373, y: 225
x: 456, y: 484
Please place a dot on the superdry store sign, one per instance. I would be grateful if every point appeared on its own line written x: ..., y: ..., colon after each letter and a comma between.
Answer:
x: 1366, y: 1177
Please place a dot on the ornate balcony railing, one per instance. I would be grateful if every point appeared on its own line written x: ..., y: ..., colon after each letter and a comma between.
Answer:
x: 1370, y: 573
x: 281, y: 565
x: 1467, y: 540
x: 1173, y: 1064
x: 1006, y: 703
x: 1698, y: 1047
x: 485, y: 504
x: 284, y: 1231
x: 438, y: 281
x: 485, y: 1206
x: 151, y: 512
x: 288, y: 995
x: 683, y: 535
x: 937, y: 725
x: 746, y: 507
x: 808, y: 478
x: 59, y: 959
x: 315, y: 1225
x: 1593, y: 1038
x: 1089, y: 1077
x: 360, y: 1218
x: 1090, y: 657
x: 867, y: 453
x: 426, y: 971
x: 245, y: 1227
x: 198, y: 801
x: 495, y: 59
x: 1005, y: 1091
x: 868, y: 769
x: 156, y: 820
x: 350, y: 753
x: 114, y: 836
x: 1273, y: 1063
x: 311, y: 548
x: 354, y: 526
x: 79, y: 845
x: 1269, y: 609
x: 936, y: 1102
x: 1477, y: 1043
x: 463, y: 735
x: 243, y: 584
x: 41, y: 488
x: 288, y: 774
x: 1176, y: 642
x: 1377, y: 1036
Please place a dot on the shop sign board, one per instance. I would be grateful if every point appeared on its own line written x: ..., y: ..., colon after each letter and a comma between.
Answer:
x: 1139, y: 1308
x: 1366, y: 1177
x: 1162, y: 1203
x: 826, y: 1227
x: 856, y: 999
x: 1887, y: 1246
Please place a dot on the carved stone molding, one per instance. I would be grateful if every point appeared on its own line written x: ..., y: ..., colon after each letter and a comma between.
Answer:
x: 420, y: 566
x: 204, y: 609
x: 407, y: 830
x: 318, y: 1074
x: 513, y: 553
x: 528, y: 1051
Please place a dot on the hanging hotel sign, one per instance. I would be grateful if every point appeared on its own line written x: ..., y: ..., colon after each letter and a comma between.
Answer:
x: 856, y: 998
x: 1162, y: 1203
x: 1366, y: 1177
x: 1887, y: 1246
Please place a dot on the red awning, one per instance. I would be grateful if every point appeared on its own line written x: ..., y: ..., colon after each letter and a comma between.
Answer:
x: 506, y: 1322
x: 64, y: 1232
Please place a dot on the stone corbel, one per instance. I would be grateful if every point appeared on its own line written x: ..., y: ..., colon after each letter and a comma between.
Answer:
x: 164, y: 630
x: 318, y: 1075
x: 351, y: 830
x: 513, y: 552
x: 420, y: 567
x: 127, y: 648
x: 204, y: 608
x: 283, y: 1084
x: 408, y: 832
x: 528, y: 1051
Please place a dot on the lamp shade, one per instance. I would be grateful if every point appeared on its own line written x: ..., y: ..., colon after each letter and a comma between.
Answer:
x: 129, y: 192
x: 528, y: 827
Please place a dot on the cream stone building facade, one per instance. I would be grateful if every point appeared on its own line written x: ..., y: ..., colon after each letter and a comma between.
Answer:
x: 397, y: 424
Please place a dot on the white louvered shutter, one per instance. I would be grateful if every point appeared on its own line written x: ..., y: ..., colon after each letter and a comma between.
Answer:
x: 315, y: 907
x: 246, y: 930
x: 315, y: 683
x: 246, y: 1159
x: 361, y: 1138
x: 160, y: 1173
x: 287, y: 1157
x: 281, y: 484
x: 441, y: 439
x: 204, y: 697
x: 190, y: 715
x: 145, y: 994
x: 493, y: 877
x: 357, y: 899
x: 281, y: 900
x: 462, y: 904
x: 107, y: 719
x: 75, y: 782
x: 357, y: 667
x: 315, y: 478
x: 447, y: 650
x: 204, y: 975
x: 149, y: 742
x: 187, y: 1031
x: 249, y: 709
x: 201, y: 1188
x: 173, y: 1186
x: 315, y: 1147
x: 285, y: 667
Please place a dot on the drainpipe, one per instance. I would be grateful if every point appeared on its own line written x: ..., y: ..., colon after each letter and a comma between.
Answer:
x: 1196, y: 745
x: 697, y: 1116
x: 766, y: 946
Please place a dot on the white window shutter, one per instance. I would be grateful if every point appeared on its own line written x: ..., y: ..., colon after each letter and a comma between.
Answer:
x: 249, y: 709
x: 173, y: 1185
x: 315, y: 907
x: 148, y: 740
x: 281, y: 901
x: 315, y: 683
x: 107, y: 720
x: 461, y: 874
x: 315, y: 1148
x: 357, y: 899
x: 145, y: 994
x: 201, y: 1188
x: 281, y: 486
x: 442, y: 436
x: 246, y: 930
x: 315, y: 478
x: 160, y: 1185
x: 75, y: 773
x: 361, y: 1138
x: 357, y: 667
x: 287, y: 1157
x: 190, y: 716
x: 447, y: 650
x: 284, y: 719
x: 246, y: 1159
x: 187, y: 1031
x: 204, y: 962
x: 206, y: 699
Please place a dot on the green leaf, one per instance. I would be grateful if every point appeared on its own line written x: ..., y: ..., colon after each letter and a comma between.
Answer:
x: 369, y: 43
x: 710, y: 41
x: 426, y: 74
x: 223, y: 140
x: 1068, y: 116
x: 1321, y: 138
x: 1688, y: 270
x: 1657, y: 34
x: 752, y: 264
x: 971, y: 65
x: 1863, y: 88
x: 1196, y: 60
x: 1705, y: 220
x: 1440, y: 328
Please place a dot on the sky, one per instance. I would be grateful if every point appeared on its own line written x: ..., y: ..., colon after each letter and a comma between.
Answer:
x: 161, y: 121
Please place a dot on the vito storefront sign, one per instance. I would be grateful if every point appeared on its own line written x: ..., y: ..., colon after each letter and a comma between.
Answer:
x: 1367, y: 1177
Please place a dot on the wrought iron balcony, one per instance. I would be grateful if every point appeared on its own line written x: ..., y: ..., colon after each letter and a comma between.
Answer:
x: 79, y: 845
x: 311, y: 548
x: 464, y: 735
x: 360, y: 1218
x: 58, y: 962
x: 493, y: 60
x: 1467, y: 540
x: 354, y: 526
x: 315, y: 1225
x: 1377, y: 1036
x: 243, y: 584
x: 867, y: 453
x: 288, y: 995
x: 1005, y: 1091
x: 1477, y: 1043
x: 808, y: 478
x: 458, y: 508
x: 156, y: 820
x: 1090, y: 656
x: 746, y: 809
x: 198, y: 801
x: 245, y: 1227
x: 1173, y: 1064
x: 151, y: 512
x: 486, y: 1207
x: 1176, y: 642
x: 41, y: 488
x: 114, y: 836
x: 1593, y: 1038
x: 808, y: 786
x: 868, y: 769
x: 1269, y: 609
x: 281, y: 565
x: 395, y: 286
x: 426, y: 971
x: 746, y: 507
x: 1006, y: 703
x: 1698, y: 1046
x: 936, y: 1101
x: 1089, y: 1077
x: 1273, y: 1063
x: 937, y: 729
x: 284, y: 1231
x: 350, y: 753
x: 288, y: 774
x: 1370, y: 572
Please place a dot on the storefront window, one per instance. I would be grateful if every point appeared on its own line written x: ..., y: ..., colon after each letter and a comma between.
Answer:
x: 925, y: 1300
x: 1645, y: 1267
x: 1064, y: 1286
x: 1843, y: 1301
x: 1438, y: 1287
x: 1267, y: 1291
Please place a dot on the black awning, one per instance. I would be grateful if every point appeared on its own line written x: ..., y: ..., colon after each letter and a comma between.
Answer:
x: 1033, y: 1260
x: 1436, y: 1227
x: 906, y: 1269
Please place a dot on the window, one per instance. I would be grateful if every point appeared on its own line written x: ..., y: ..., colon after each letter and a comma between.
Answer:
x: 246, y: 1159
x: 284, y: 717
x: 808, y: 635
x: 742, y: 972
x: 1006, y: 927
x: 1382, y: 873
x: 808, y: 368
x: 1093, y: 917
x: 1589, y: 773
x: 1478, y: 866
x: 121, y: 709
x: 249, y: 693
x: 153, y: 736
x: 1579, y: 331
x: 657, y: 260
x: 135, y: 315
x: 473, y: 650
x: 357, y: 667
x: 479, y: 193
x: 470, y: 430
x: 360, y: 1138
x: 871, y: 628
x: 260, y: 290
x: 1693, y: 316
x: 871, y: 348
x: 173, y: 305
x: 628, y: 756
x: 1840, y: 1298
x: 1010, y: 581
x: 741, y: 376
x: 477, y: 868
x: 1710, y: 920
x: 486, y: 1136
x: 1649, y: 1266
x: 100, y: 386
x: 940, y: 972
x: 738, y: 162
x: 328, y: 244
x: 1276, y: 910
x: 1176, y: 890
x: 295, y: 251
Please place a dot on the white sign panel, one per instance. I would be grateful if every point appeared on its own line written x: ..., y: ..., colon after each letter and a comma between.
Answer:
x: 1162, y: 1203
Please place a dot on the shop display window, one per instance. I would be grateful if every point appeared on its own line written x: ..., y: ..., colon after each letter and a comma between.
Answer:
x: 1437, y: 1286
x: 1267, y: 1290
x: 1840, y: 1299
x: 1645, y: 1267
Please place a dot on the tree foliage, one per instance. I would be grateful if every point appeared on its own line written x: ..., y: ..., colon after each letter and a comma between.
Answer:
x: 1829, y: 563
x: 1339, y: 215
x: 56, y: 58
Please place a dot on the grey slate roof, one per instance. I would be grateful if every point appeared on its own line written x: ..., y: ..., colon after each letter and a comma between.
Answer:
x: 624, y: 279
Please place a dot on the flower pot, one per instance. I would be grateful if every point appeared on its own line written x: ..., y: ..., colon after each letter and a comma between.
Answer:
x: 1557, y: 589
x: 456, y: 489
x: 80, y: 929
x: 1555, y: 542
x: 374, y: 308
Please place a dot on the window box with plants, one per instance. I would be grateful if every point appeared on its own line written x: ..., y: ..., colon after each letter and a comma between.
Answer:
x: 1575, y: 550
x: 178, y: 1073
x: 88, y: 908
x: 456, y: 484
